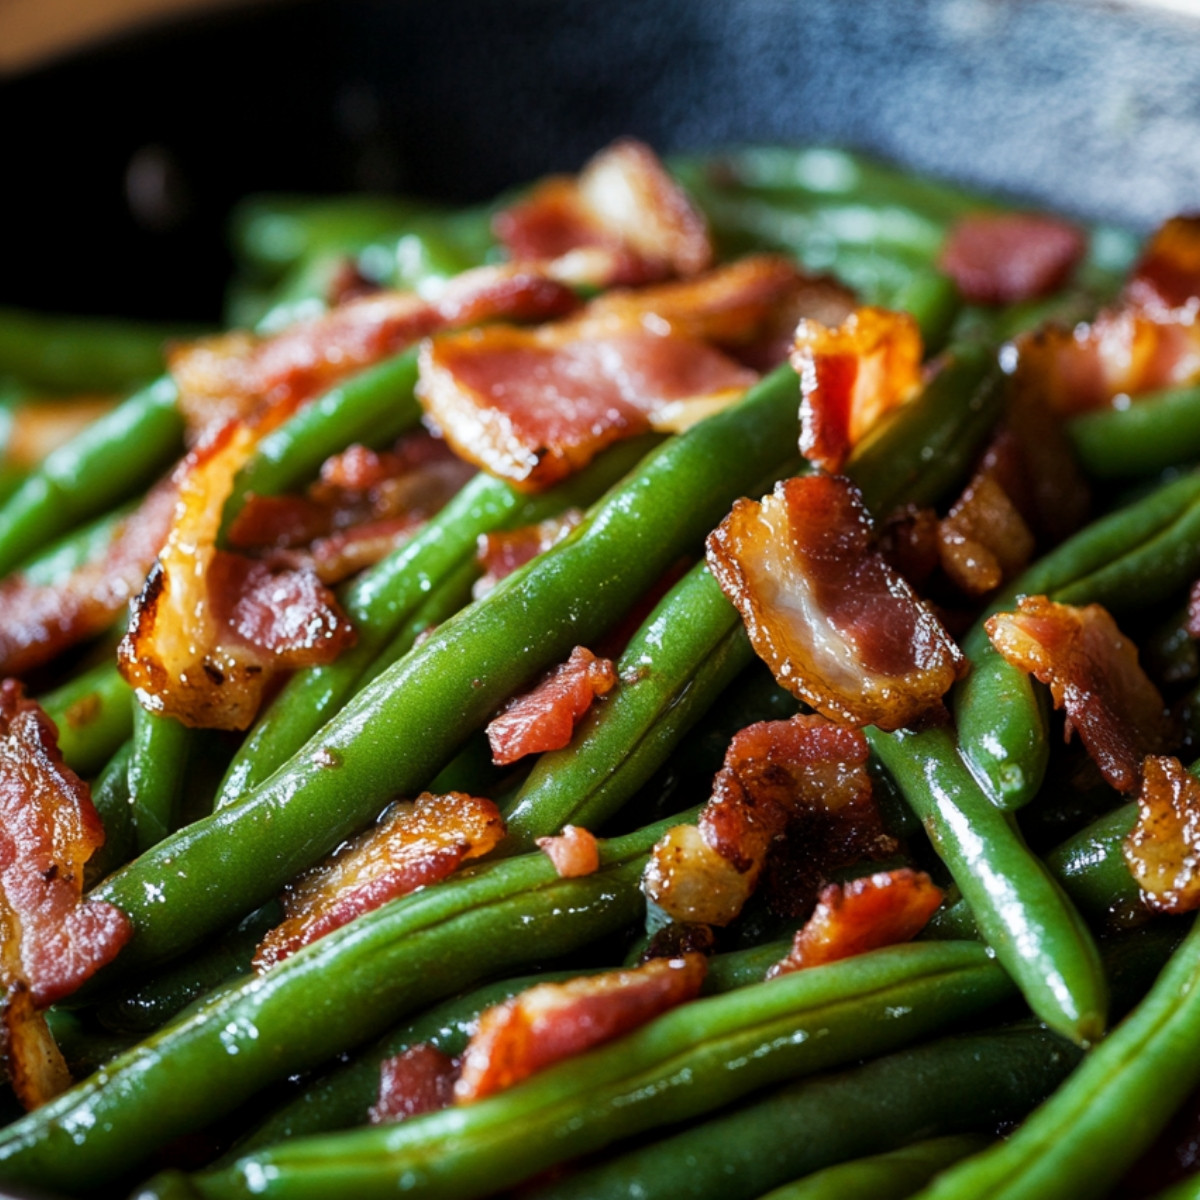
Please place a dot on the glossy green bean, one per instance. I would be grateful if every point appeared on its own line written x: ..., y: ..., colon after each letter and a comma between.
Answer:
x: 1035, y: 931
x: 158, y: 763
x: 110, y: 795
x: 1185, y: 1189
x: 1092, y: 869
x: 94, y: 716
x: 1154, y: 431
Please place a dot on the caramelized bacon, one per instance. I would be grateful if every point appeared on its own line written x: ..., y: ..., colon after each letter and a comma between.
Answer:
x: 837, y: 626
x: 545, y: 718
x: 850, y: 376
x: 413, y: 845
x: 573, y: 852
x: 1004, y: 258
x: 418, y: 1080
x: 865, y: 914
x: 48, y: 829
x: 623, y: 221
x: 554, y: 1021
x: 43, y: 619
x: 1163, y: 849
x: 1093, y: 673
x: 35, y: 1065
x: 502, y: 552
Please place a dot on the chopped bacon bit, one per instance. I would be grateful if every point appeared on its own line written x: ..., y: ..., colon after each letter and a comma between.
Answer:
x: 1092, y: 671
x: 862, y: 915
x: 42, y: 620
x: 1163, y: 849
x: 554, y: 1021
x: 545, y: 718
x: 48, y: 830
x: 1004, y: 258
x: 632, y: 221
x: 418, y: 1080
x: 1166, y: 281
x: 837, y: 626
x: 34, y: 1063
x: 573, y: 852
x: 413, y: 845
x: 502, y: 552
x: 851, y: 376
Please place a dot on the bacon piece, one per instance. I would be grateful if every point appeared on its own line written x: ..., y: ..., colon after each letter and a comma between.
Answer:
x: 48, y: 829
x: 502, y: 552
x: 554, y: 1021
x: 1004, y: 258
x: 210, y: 627
x: 418, y: 1080
x: 1166, y: 281
x: 43, y: 619
x: 545, y: 718
x: 573, y: 852
x: 1163, y: 849
x: 850, y: 376
x: 413, y: 845
x: 630, y: 219
x: 837, y: 626
x: 1093, y: 673
x: 229, y: 376
x: 806, y: 776
x: 908, y: 540
x: 865, y: 914
x: 36, y: 1068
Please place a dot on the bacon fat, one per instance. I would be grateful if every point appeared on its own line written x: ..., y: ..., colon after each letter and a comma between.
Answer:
x: 1163, y: 849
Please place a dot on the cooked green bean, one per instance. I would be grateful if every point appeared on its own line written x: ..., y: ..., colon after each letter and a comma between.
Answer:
x: 94, y: 716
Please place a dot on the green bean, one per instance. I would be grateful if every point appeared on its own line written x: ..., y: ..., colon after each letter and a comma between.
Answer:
x: 1092, y: 868
x: 158, y: 763
x: 1110, y: 1110
x: 328, y: 997
x: 431, y: 248
x: 85, y: 1049
x: 1154, y: 431
x: 114, y: 457
x: 94, y: 716
x: 891, y: 1176
x: 110, y: 794
x: 1185, y: 1189
x: 55, y: 564
x: 695, y: 1058
x: 1035, y: 931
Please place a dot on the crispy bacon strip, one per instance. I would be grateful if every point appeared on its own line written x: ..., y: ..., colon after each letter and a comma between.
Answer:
x: 413, y: 845
x: 554, y: 1021
x: 48, y: 830
x: 624, y: 220
x: 865, y: 914
x: 573, y: 852
x: 418, y: 1080
x: 1004, y: 258
x: 502, y: 552
x: 43, y: 619
x: 805, y: 775
x: 1093, y: 673
x: 850, y: 376
x: 837, y: 626
x: 1163, y: 849
x: 545, y: 718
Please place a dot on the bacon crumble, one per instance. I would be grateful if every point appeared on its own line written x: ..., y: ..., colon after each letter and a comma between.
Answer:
x: 573, y: 852
x: 503, y: 551
x: 416, y: 1081
x: 1163, y: 849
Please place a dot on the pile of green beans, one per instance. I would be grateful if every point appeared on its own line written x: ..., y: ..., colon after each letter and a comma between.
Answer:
x: 879, y: 1076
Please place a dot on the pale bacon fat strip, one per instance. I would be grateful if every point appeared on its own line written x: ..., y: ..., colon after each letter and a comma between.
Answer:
x: 416, y: 1081
x: 574, y: 852
x: 545, y: 718
x: 851, y: 376
x: 865, y: 914
x: 209, y: 627
x: 775, y: 772
x: 413, y: 845
x: 533, y: 405
x: 623, y: 220
x: 555, y: 1021
x: 1163, y: 849
x: 838, y: 627
x: 1093, y: 673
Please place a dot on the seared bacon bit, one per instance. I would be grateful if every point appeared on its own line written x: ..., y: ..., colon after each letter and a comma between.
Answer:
x: 418, y: 1080
x: 502, y: 552
x: 1166, y: 280
x: 545, y: 718
x: 42, y: 620
x: 1004, y: 258
x: 573, y: 852
x: 35, y: 1065
x: 862, y: 915
x: 850, y: 376
x: 414, y: 844
x: 554, y: 1021
x: 1093, y: 672
x: 637, y: 223
x: 48, y: 829
x: 837, y: 626
x: 1163, y: 849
